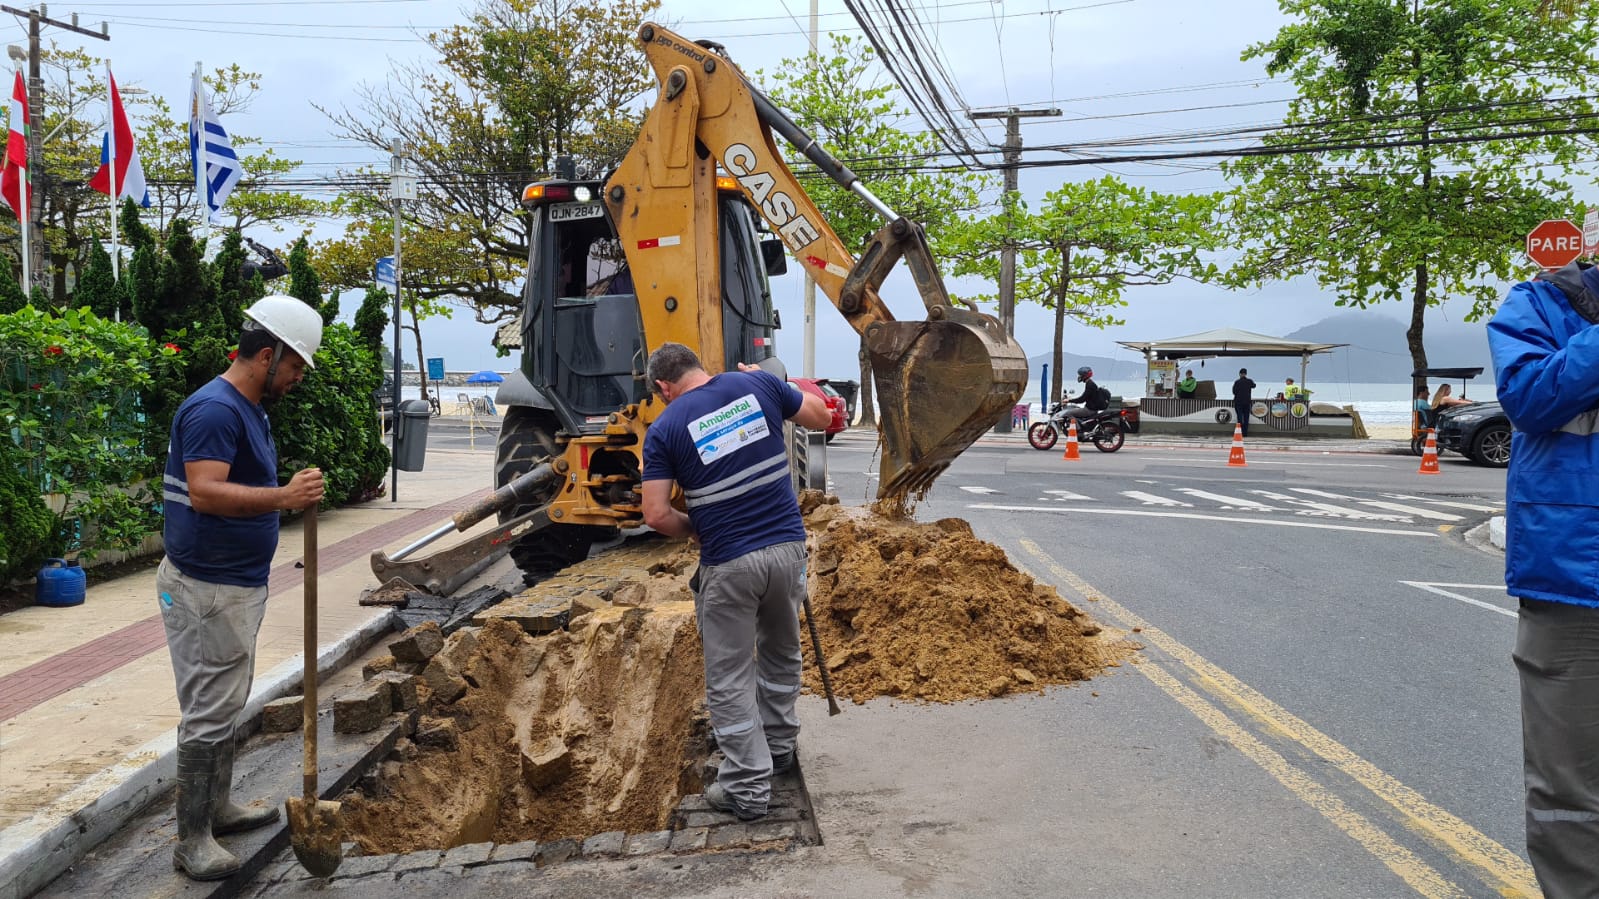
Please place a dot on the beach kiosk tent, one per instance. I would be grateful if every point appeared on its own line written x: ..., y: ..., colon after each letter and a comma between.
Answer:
x: 1226, y: 342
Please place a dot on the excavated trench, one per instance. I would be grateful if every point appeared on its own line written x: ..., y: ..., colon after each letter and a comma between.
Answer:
x: 601, y: 727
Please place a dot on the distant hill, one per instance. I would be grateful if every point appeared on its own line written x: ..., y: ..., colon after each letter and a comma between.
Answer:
x: 1376, y: 353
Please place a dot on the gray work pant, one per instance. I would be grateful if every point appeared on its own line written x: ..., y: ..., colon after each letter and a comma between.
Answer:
x: 747, y: 610
x: 1557, y: 654
x: 211, y: 631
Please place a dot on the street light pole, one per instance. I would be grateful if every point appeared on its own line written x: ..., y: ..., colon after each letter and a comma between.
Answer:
x: 395, y: 164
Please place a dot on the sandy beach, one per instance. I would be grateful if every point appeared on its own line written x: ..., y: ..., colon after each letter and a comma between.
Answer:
x: 1388, y: 432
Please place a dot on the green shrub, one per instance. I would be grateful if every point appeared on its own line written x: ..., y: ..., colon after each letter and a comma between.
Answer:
x: 26, y: 525
x: 69, y: 397
x: 329, y: 421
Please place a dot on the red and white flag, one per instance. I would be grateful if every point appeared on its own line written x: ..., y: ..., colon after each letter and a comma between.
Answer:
x: 14, y: 177
x: 117, y: 148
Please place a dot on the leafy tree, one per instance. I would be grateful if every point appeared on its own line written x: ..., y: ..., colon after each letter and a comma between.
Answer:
x: 1440, y: 133
x: 522, y: 82
x: 97, y: 288
x: 1086, y: 245
x: 372, y: 321
x: 163, y: 140
x: 12, y: 298
x: 847, y: 104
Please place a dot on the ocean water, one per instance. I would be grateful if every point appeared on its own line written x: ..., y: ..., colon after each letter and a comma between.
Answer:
x: 1378, y: 404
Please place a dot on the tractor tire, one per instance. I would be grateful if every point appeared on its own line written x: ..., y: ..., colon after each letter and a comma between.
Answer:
x: 527, y: 439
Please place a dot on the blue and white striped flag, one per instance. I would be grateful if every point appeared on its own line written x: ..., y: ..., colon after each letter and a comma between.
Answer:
x: 215, y: 165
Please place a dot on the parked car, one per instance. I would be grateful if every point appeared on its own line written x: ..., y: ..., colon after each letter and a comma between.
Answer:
x: 1480, y: 432
x: 835, y: 404
x: 833, y: 393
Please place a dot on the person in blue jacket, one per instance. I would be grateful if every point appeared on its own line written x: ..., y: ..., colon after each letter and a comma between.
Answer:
x: 1546, y: 360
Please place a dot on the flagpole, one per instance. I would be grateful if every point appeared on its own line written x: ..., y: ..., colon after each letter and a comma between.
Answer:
x: 111, y: 156
x: 197, y: 129
x: 26, y: 220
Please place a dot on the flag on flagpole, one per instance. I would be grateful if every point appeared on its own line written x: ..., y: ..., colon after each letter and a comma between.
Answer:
x: 215, y: 166
x: 14, y: 178
x: 119, y: 157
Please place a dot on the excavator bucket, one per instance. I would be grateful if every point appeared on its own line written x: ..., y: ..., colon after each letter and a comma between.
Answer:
x: 941, y: 384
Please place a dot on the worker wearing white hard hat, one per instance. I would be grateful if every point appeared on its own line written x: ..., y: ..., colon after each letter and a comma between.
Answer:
x: 220, y: 501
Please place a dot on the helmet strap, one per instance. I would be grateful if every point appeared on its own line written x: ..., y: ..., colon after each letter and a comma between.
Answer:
x: 272, y: 370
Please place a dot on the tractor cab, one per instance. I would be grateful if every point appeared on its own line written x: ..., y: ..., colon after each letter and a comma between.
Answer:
x: 583, y: 336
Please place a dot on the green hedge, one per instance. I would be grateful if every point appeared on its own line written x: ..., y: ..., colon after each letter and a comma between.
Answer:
x: 26, y: 526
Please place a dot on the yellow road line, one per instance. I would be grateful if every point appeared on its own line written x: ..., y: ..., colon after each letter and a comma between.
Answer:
x: 1503, y: 869
x: 1411, y: 869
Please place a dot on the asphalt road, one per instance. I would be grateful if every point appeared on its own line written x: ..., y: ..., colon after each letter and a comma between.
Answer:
x: 1324, y: 705
x: 1329, y: 605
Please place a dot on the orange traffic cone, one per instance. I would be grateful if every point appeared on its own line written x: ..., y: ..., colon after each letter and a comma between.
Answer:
x: 1429, y: 454
x: 1071, y: 441
x: 1236, y: 457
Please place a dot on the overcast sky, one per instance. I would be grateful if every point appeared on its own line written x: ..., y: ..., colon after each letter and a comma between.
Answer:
x: 1116, y: 69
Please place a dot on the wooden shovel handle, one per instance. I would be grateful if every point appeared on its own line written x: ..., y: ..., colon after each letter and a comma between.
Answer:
x: 309, y: 686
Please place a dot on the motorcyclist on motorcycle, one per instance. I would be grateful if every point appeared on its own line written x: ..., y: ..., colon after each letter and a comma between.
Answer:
x: 1090, y: 401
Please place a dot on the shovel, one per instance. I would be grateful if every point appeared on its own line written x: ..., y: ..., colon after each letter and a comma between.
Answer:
x: 315, y: 828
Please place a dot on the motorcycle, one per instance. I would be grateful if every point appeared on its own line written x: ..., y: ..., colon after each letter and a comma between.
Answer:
x: 1102, y: 429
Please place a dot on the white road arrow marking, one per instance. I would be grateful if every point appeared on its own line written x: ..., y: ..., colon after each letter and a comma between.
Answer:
x: 978, y: 490
x: 1065, y: 495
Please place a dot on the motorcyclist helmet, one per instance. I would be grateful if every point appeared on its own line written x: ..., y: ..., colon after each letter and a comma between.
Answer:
x: 1084, y: 373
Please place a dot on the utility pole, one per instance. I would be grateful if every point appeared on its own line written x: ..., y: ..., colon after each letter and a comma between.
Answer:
x: 1007, y: 254
x: 809, y: 364
x: 37, y: 18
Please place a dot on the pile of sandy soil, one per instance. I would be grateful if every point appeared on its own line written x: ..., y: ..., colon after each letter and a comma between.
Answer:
x: 566, y: 735
x: 928, y: 611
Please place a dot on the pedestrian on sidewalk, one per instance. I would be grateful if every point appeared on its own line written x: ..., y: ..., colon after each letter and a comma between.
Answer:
x: 221, y: 501
x: 721, y: 440
x: 1546, y: 362
x: 1243, y: 398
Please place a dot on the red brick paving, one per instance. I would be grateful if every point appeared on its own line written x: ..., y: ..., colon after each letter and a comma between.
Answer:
x: 46, y: 679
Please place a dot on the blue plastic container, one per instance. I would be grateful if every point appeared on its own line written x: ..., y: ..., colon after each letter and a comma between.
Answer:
x: 61, y: 583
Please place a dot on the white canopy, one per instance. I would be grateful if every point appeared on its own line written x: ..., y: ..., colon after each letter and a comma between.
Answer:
x: 1226, y: 342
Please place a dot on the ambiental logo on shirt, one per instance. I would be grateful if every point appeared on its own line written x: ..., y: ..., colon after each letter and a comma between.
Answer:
x: 731, y: 427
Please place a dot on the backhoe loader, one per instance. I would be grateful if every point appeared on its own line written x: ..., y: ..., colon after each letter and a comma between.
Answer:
x: 676, y: 245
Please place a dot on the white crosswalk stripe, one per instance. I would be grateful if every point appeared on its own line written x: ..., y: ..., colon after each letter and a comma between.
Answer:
x: 1150, y: 499
x: 1065, y: 495
x: 1311, y: 507
x: 1400, y: 508
x: 1228, y: 502
x: 978, y: 490
x: 1446, y: 503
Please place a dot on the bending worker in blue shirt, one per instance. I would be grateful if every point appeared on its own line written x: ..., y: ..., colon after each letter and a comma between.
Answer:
x: 220, y: 499
x: 721, y: 440
x: 1546, y: 360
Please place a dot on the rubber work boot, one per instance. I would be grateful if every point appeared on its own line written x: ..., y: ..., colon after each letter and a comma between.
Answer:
x: 198, y: 854
x: 226, y: 815
x: 716, y: 797
x: 782, y: 762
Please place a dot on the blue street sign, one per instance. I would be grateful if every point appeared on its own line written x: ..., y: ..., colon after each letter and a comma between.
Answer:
x: 383, y: 272
x: 436, y: 368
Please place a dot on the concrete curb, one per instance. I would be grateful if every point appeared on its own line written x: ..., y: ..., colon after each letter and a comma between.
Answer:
x: 35, y: 851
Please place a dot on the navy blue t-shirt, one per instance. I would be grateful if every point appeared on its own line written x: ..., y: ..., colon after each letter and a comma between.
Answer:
x: 722, y: 442
x: 217, y: 423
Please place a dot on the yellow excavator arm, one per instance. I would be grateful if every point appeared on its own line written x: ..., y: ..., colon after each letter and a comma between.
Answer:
x: 941, y: 383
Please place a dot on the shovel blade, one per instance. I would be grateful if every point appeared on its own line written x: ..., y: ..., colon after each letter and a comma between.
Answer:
x: 941, y: 384
x: 316, y: 831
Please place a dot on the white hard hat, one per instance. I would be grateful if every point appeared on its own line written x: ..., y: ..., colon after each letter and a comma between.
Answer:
x: 291, y: 321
